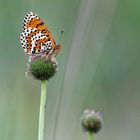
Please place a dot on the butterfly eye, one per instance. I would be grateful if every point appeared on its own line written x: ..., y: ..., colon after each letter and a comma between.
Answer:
x: 57, y: 46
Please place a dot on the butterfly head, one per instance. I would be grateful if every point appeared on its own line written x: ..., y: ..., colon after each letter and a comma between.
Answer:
x: 58, y: 47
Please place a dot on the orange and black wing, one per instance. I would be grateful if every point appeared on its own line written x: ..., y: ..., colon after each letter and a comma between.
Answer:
x: 35, y: 37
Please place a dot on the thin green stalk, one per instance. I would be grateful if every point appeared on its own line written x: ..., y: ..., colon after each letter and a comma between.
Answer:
x: 42, y: 110
x: 90, y: 136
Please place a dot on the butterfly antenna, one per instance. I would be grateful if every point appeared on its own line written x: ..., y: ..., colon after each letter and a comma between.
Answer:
x: 61, y: 34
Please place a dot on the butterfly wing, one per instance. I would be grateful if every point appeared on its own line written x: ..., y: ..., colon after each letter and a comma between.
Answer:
x: 35, y: 37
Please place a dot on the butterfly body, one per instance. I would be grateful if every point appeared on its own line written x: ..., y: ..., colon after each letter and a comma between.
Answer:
x: 36, y: 39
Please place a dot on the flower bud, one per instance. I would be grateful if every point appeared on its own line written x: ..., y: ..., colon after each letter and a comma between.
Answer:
x: 42, y: 69
x: 91, y: 121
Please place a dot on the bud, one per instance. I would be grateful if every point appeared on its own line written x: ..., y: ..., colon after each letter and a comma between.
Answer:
x: 42, y: 69
x: 91, y: 121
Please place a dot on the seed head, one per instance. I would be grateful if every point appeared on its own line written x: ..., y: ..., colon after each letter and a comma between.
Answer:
x: 42, y: 69
x: 91, y: 121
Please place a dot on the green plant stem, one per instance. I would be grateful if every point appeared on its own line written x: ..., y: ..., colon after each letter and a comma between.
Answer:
x: 42, y: 110
x: 90, y: 136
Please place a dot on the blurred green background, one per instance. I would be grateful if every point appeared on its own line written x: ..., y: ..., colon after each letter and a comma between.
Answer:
x: 98, y: 68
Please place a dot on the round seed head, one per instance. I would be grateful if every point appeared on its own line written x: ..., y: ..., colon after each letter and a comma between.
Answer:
x: 42, y: 69
x: 91, y: 121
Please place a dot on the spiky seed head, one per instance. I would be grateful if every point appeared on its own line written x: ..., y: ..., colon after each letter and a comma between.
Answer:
x: 42, y: 69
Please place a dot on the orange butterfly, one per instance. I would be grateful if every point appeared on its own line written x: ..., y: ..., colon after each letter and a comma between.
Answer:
x: 36, y: 39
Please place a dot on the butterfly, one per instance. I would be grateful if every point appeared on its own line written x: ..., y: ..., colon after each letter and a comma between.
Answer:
x: 36, y: 39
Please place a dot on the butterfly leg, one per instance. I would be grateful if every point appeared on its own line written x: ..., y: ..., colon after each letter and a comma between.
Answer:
x: 49, y: 56
x: 56, y: 52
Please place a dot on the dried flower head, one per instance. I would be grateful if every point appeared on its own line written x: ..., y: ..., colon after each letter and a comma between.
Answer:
x: 42, y: 69
x: 91, y: 121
